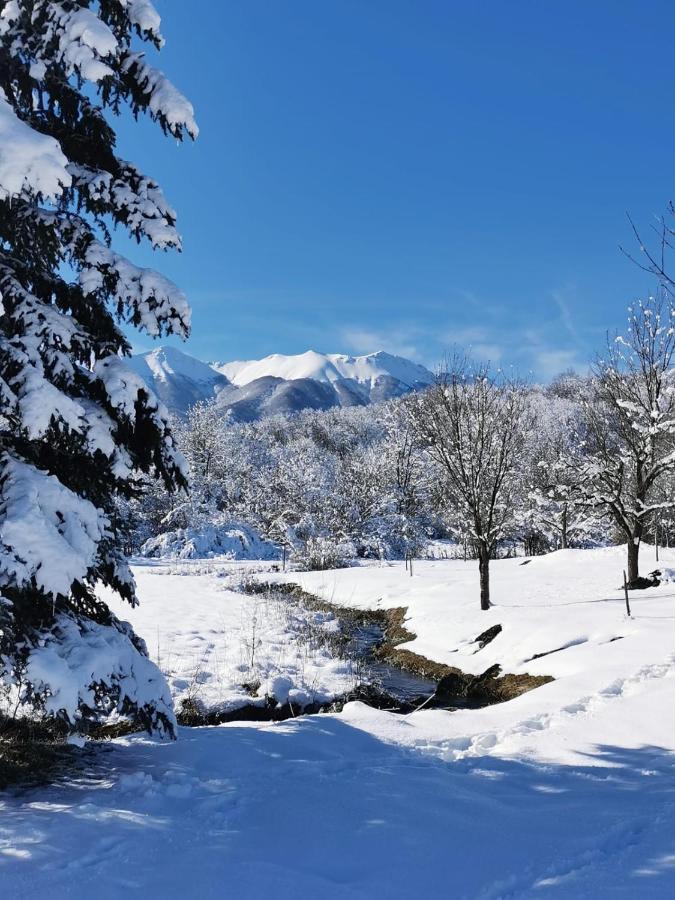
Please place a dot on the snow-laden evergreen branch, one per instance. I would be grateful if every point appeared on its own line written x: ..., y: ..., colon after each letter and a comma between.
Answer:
x: 79, y: 430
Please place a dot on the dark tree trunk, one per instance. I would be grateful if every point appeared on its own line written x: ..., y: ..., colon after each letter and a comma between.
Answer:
x: 484, y: 570
x: 633, y: 551
x: 563, y: 534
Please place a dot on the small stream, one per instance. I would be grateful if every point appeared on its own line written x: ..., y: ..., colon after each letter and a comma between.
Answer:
x: 379, y: 683
x: 403, y: 687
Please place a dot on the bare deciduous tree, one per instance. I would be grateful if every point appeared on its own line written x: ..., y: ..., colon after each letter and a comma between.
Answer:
x: 631, y: 423
x: 558, y: 509
x: 473, y: 425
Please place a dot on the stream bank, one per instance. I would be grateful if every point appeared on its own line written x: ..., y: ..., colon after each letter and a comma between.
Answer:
x: 393, y: 678
x: 454, y: 687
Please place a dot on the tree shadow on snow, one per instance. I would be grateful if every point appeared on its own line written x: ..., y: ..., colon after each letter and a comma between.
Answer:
x: 318, y: 807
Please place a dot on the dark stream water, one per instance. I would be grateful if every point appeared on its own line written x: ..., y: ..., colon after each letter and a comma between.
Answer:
x: 397, y: 683
x: 404, y: 688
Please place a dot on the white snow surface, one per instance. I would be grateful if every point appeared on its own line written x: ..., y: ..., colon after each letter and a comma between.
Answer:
x: 163, y: 363
x: 144, y: 15
x: 564, y: 792
x: 165, y: 101
x: 48, y: 534
x: 28, y: 160
x: 75, y: 658
x: 327, y: 368
x: 156, y: 300
x: 210, y: 640
x: 84, y: 42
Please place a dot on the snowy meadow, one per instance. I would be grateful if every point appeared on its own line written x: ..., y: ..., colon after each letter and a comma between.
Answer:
x: 564, y: 791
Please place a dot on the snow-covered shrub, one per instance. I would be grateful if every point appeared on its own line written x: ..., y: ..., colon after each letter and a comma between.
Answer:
x: 79, y: 429
x: 233, y: 540
x: 320, y: 553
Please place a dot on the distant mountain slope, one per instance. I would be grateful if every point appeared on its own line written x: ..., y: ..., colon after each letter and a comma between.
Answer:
x: 268, y: 396
x: 253, y: 389
x: 179, y: 380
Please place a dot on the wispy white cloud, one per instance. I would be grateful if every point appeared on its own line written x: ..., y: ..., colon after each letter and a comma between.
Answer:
x: 559, y: 297
x: 540, y: 338
x: 543, y: 350
x: 487, y: 352
x: 400, y: 341
x: 549, y: 362
x: 476, y: 340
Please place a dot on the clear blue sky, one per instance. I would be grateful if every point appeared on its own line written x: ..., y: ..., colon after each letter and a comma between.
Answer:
x: 378, y: 174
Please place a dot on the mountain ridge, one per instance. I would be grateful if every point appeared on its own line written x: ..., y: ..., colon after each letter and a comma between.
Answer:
x: 325, y: 367
x: 279, y: 383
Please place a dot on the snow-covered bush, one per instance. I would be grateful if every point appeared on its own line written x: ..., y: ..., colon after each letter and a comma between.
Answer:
x: 233, y: 540
x: 320, y: 553
x: 79, y: 429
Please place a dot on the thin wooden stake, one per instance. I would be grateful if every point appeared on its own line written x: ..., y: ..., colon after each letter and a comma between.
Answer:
x: 411, y: 566
x: 625, y: 590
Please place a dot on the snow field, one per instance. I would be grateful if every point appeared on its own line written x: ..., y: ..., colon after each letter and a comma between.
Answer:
x: 567, y: 606
x: 564, y: 792
x: 210, y: 640
x: 318, y: 807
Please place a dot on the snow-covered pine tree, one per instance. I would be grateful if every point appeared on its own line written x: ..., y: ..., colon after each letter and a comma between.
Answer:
x: 77, y: 426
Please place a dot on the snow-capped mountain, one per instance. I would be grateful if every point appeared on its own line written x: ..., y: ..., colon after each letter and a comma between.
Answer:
x: 179, y: 380
x: 327, y: 368
x: 254, y: 389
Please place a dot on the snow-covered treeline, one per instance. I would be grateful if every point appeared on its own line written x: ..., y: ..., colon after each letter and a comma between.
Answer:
x: 496, y: 467
x: 329, y: 486
x: 359, y: 482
